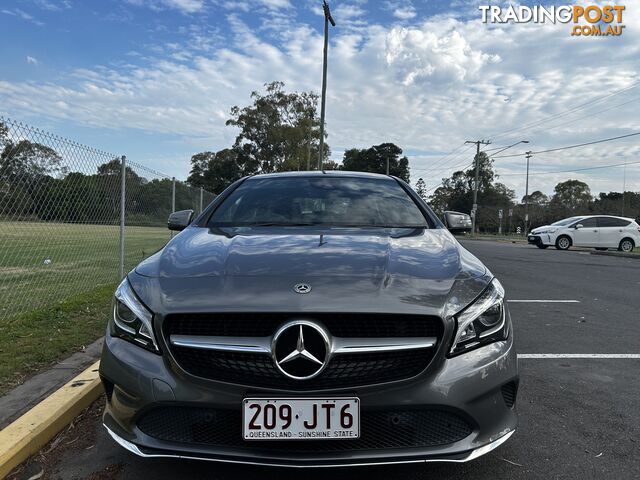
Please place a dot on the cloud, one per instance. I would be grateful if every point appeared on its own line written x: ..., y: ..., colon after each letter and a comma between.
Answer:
x: 16, y: 12
x: 416, y: 54
x: 428, y: 87
x: 185, y: 6
x: 275, y: 4
x: 53, y: 6
x: 32, y: 60
x: 348, y: 11
x: 401, y: 9
x: 404, y: 13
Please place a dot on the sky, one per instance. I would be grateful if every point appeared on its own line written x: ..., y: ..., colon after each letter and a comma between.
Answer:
x: 155, y: 80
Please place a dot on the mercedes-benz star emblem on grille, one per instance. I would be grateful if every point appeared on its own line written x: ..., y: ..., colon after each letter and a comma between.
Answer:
x: 302, y: 288
x: 300, y: 349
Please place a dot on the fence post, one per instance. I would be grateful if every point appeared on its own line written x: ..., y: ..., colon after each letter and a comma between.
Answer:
x: 201, y: 193
x: 123, y: 176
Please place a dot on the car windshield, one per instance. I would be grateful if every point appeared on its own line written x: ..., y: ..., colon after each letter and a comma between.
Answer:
x: 566, y: 221
x: 325, y: 200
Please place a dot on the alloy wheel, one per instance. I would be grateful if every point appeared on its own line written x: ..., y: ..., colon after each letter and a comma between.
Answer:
x: 626, y: 246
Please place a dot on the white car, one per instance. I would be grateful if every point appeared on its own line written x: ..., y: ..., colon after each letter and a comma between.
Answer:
x: 598, y: 231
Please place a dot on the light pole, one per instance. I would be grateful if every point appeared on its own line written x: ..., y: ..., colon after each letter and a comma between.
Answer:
x: 327, y: 18
x: 526, y: 197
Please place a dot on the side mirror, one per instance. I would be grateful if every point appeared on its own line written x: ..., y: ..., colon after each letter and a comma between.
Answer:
x: 180, y: 220
x: 579, y: 226
x: 457, y: 222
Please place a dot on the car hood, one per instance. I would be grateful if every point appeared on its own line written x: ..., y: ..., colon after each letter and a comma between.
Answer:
x: 415, y: 270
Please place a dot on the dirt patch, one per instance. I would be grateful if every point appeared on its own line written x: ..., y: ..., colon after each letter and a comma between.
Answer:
x: 77, y: 436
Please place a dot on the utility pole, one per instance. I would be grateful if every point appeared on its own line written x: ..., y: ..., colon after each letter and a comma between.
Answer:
x: 387, y: 164
x: 474, y: 210
x: 327, y: 18
x: 526, y: 197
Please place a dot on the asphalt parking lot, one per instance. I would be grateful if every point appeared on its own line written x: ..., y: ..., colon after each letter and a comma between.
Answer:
x: 578, y: 416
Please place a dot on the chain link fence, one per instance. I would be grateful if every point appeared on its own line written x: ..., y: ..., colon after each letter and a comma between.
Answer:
x: 66, y: 212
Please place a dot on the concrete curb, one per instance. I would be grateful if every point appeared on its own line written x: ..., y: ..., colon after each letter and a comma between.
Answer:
x: 22, y: 398
x: 617, y: 254
x: 31, y: 431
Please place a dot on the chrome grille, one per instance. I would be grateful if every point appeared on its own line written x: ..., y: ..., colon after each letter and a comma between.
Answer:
x: 235, y: 348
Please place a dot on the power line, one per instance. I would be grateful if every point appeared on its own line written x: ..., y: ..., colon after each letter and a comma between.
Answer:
x: 438, y: 165
x: 439, y: 160
x: 442, y: 183
x: 571, y: 146
x: 566, y: 112
x: 573, y: 170
x: 561, y: 124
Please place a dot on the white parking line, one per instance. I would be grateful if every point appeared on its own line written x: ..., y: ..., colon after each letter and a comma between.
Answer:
x: 543, y: 301
x: 578, y: 355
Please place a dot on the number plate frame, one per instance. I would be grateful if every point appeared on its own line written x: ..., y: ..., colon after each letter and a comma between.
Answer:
x: 302, y: 407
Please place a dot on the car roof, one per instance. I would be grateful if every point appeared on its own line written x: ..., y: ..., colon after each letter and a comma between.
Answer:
x: 602, y: 215
x: 323, y: 173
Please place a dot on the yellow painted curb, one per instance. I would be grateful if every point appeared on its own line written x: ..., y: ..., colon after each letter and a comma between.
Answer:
x: 31, y: 431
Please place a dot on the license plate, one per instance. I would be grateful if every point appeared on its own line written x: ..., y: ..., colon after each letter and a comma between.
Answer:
x: 532, y: 239
x: 301, y: 418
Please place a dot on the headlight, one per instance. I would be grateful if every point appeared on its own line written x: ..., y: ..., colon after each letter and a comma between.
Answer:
x: 131, y: 319
x: 549, y: 230
x: 482, y: 322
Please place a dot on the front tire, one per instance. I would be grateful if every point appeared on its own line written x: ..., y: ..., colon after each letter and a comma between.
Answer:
x: 563, y: 243
x: 542, y: 246
x: 626, y: 245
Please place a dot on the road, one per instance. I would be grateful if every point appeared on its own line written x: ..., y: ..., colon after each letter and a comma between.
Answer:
x: 578, y: 416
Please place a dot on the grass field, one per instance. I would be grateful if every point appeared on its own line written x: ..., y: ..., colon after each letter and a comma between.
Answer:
x: 42, y: 264
x: 56, y: 282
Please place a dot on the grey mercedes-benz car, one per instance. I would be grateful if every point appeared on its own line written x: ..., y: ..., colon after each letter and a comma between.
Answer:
x: 311, y: 319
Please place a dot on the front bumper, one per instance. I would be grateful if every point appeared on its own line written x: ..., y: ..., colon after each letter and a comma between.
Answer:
x: 469, y: 385
x: 461, y: 458
x: 539, y: 239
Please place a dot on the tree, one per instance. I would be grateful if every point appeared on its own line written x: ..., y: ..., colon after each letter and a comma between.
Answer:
x: 536, y: 198
x: 114, y: 168
x: 4, y: 133
x: 279, y: 131
x: 375, y: 158
x: 456, y: 193
x: 25, y: 169
x: 421, y: 188
x: 330, y: 165
x: 572, y: 195
x: 612, y: 204
x: 216, y: 171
